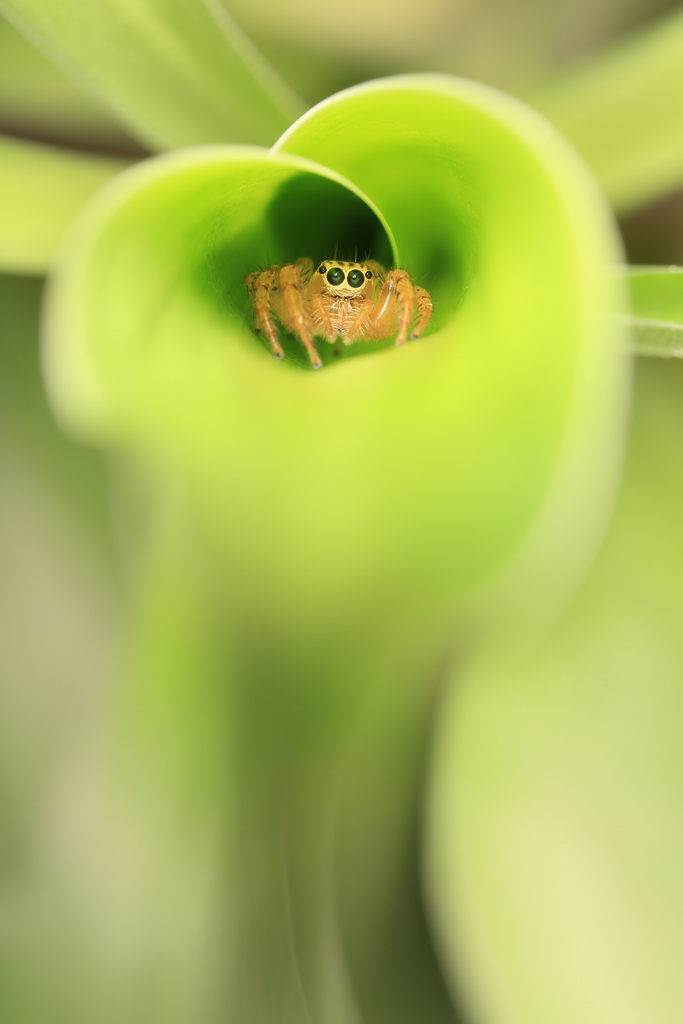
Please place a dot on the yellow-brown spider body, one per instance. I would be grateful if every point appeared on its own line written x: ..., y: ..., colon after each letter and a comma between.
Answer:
x: 339, y: 300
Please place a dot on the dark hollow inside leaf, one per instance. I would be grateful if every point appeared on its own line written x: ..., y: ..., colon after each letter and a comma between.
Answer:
x: 307, y: 215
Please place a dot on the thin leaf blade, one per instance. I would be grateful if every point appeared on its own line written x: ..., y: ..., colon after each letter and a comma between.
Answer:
x: 169, y: 70
x: 622, y: 111
x: 42, y: 188
x: 656, y: 318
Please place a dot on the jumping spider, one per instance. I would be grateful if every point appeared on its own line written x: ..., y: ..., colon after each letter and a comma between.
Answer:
x: 350, y: 301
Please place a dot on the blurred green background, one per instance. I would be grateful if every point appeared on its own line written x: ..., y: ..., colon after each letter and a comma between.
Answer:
x: 66, y: 575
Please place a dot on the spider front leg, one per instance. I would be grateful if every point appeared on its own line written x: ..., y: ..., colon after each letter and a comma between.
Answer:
x: 321, y: 316
x: 398, y: 301
x: 292, y: 285
x: 423, y: 302
x: 408, y: 296
x: 371, y: 322
x: 260, y: 286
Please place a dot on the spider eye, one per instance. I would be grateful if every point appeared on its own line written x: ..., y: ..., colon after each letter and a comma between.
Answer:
x: 356, y: 278
x: 322, y: 268
x: 368, y: 273
x: 335, y: 275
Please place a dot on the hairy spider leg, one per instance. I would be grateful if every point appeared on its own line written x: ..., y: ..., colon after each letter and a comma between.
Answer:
x: 259, y: 286
x: 291, y: 285
x: 375, y: 319
x: 423, y: 301
x: 405, y: 296
x: 382, y: 320
x: 323, y: 322
x: 305, y: 265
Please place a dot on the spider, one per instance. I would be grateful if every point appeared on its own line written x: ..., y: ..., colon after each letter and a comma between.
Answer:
x: 351, y: 301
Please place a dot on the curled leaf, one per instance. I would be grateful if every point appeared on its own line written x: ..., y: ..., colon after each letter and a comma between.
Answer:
x: 173, y: 73
x: 394, y: 481
x: 336, y: 521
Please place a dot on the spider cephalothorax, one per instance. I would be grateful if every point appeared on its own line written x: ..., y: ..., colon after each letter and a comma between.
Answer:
x: 350, y: 301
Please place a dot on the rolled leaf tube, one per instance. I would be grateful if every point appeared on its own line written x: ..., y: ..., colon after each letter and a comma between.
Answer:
x: 436, y: 461
x: 343, y: 520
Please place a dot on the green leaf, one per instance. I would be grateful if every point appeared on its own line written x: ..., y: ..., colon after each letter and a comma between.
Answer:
x: 339, y: 520
x: 36, y: 99
x: 175, y: 74
x: 463, y: 176
x: 554, y: 820
x: 622, y: 111
x: 657, y: 310
x: 514, y: 400
x: 41, y: 190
